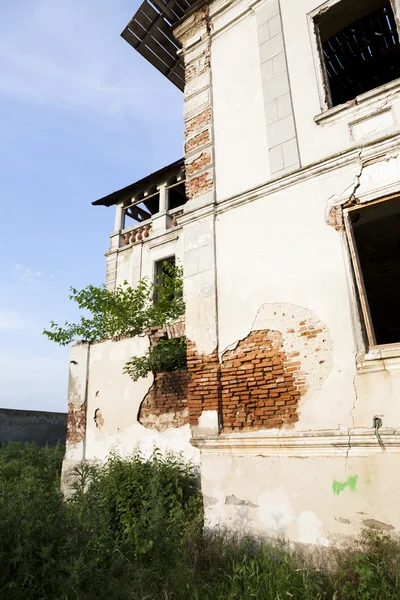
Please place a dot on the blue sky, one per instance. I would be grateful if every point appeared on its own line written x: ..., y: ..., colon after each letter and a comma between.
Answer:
x: 81, y: 115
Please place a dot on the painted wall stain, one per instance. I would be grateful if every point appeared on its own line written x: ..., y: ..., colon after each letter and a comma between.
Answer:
x: 343, y: 520
x: 232, y: 499
x: 378, y: 525
x: 339, y: 486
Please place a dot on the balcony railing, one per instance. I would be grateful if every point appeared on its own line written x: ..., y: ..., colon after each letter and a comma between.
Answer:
x: 137, y: 234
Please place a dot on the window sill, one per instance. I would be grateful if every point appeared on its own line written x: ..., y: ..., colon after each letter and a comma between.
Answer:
x: 363, y: 101
x: 380, y: 358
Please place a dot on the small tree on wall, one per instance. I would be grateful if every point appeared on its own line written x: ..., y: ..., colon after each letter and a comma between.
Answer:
x: 128, y: 311
x: 166, y: 355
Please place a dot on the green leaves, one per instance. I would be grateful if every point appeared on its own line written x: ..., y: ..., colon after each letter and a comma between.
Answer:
x: 133, y: 530
x: 126, y: 311
x: 150, y: 501
x: 166, y: 355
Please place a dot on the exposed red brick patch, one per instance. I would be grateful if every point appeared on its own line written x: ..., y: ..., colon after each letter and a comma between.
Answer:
x: 197, y: 141
x: 197, y: 164
x: 76, y: 423
x: 165, y: 404
x: 259, y: 389
x: 204, y: 385
x: 256, y: 386
x: 199, y: 185
x: 198, y: 122
x: 198, y: 80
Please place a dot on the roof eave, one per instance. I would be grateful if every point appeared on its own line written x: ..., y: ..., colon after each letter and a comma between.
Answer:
x: 156, y: 178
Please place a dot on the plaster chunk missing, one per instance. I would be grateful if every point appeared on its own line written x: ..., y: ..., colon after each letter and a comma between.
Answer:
x: 259, y: 388
x: 98, y: 418
x: 377, y: 525
x: 76, y: 423
x: 233, y: 500
x: 165, y: 404
x: 209, y: 501
x: 259, y: 382
x: 305, y: 338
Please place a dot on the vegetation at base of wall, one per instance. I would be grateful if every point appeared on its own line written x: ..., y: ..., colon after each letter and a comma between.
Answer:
x: 125, y: 311
x: 166, y: 355
x: 132, y: 530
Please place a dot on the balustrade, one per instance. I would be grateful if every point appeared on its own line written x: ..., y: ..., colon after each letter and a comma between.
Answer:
x: 137, y: 235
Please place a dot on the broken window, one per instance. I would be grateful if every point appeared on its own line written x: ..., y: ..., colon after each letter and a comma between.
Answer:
x: 163, y: 275
x: 141, y: 210
x: 176, y: 195
x: 360, y: 47
x: 374, y: 237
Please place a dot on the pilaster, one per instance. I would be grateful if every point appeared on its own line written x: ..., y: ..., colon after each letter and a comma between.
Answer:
x: 198, y: 220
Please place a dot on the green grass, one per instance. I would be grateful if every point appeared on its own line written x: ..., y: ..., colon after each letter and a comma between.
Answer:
x: 133, y: 530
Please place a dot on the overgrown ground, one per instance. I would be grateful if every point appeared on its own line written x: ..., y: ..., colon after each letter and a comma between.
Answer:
x: 133, y: 530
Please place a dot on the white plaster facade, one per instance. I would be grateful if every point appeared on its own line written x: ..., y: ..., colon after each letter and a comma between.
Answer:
x: 259, y: 249
x: 110, y: 403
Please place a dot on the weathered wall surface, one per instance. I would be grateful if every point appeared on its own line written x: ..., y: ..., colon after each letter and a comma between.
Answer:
x: 133, y: 263
x: 307, y: 499
x: 108, y: 411
x: 120, y: 400
x: 240, y: 131
x: 166, y: 403
x: 283, y: 390
x: 36, y: 426
x: 351, y: 127
x: 267, y: 98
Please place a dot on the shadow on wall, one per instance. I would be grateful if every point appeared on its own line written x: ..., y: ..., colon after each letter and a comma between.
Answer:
x: 32, y: 426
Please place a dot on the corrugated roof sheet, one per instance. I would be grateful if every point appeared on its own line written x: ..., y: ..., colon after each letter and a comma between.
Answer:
x: 150, y: 33
x: 157, y: 178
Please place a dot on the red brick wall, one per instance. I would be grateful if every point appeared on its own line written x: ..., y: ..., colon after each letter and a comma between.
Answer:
x: 204, y: 386
x: 165, y: 404
x: 198, y: 127
x: 257, y: 385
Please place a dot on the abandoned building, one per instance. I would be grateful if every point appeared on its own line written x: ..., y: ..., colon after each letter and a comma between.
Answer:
x: 285, y: 214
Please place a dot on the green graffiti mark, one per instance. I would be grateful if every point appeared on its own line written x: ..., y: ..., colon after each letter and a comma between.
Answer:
x: 339, y: 486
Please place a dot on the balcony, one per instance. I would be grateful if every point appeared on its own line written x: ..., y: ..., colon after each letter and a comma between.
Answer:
x: 148, y: 208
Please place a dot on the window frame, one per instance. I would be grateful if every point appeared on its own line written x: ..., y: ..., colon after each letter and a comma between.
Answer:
x: 157, y: 272
x: 367, y: 322
x: 319, y: 63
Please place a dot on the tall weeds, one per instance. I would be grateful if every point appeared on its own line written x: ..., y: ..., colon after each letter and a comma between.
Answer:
x: 133, y: 530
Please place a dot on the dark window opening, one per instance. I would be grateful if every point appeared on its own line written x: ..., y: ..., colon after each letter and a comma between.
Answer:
x: 176, y: 196
x: 375, y: 236
x: 162, y: 269
x: 360, y: 47
x: 141, y: 211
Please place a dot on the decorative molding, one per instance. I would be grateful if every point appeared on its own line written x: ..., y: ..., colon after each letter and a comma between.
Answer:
x: 371, y: 150
x: 380, y: 358
x: 196, y: 213
x: 165, y: 237
x: 361, y: 105
x: 226, y: 7
x: 301, y: 444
